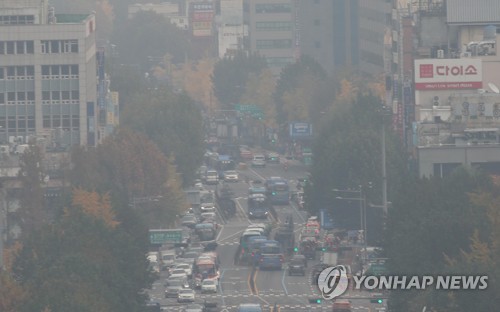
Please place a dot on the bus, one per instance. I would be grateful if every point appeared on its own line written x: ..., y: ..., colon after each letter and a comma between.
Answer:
x: 278, y: 191
x: 244, y: 248
x: 222, y: 163
x: 271, y: 255
x: 251, y: 257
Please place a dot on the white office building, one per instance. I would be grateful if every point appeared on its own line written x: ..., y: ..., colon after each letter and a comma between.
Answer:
x: 47, y: 75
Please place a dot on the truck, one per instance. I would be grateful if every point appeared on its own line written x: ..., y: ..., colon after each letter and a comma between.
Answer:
x: 341, y: 305
x: 329, y: 258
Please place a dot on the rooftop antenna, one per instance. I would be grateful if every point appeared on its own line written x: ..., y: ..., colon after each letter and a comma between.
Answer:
x: 493, y: 87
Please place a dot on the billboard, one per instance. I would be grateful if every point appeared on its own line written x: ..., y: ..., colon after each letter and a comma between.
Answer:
x: 202, y: 16
x: 444, y: 74
x: 300, y: 129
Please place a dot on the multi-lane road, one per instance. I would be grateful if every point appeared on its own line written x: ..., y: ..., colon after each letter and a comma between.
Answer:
x: 269, y: 288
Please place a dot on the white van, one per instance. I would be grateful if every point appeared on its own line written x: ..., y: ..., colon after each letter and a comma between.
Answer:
x: 167, y: 258
x: 212, y: 177
x: 259, y: 160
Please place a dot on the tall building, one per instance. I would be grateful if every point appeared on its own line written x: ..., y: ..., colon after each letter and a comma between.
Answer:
x: 273, y: 30
x: 230, y: 27
x: 47, y: 74
x: 345, y: 34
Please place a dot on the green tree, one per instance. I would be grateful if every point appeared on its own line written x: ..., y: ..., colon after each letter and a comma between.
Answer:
x: 32, y: 174
x: 78, y: 264
x: 129, y: 165
x: 127, y: 81
x: 430, y: 222
x: 174, y: 123
x: 259, y: 91
x: 291, y: 78
x: 347, y: 153
x: 231, y: 75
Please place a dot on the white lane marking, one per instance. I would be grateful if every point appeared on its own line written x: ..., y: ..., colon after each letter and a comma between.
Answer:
x: 242, y: 211
x: 220, y: 232
x: 231, y: 236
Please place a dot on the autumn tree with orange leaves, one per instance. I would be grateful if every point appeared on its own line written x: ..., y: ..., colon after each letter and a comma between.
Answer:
x: 126, y: 166
x: 86, y: 260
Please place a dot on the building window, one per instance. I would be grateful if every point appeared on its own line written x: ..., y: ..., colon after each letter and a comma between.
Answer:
x: 10, y: 47
x: 273, y: 26
x: 274, y: 44
x: 59, y: 46
x: 16, y: 19
x: 273, y: 8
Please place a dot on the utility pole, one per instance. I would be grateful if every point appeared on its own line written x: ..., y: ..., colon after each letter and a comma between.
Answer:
x: 385, y: 112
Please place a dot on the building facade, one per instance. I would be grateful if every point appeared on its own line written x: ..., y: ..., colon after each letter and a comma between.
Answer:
x: 345, y: 34
x: 47, y: 75
x: 273, y: 31
x: 448, y: 98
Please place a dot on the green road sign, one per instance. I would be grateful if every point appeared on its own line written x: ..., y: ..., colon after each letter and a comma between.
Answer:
x: 255, y: 109
x: 158, y: 237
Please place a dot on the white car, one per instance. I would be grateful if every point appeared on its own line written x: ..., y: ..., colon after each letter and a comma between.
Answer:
x: 186, y: 267
x: 178, y: 273
x: 207, y: 215
x: 259, y: 160
x: 186, y: 295
x: 231, y: 176
x: 208, y: 285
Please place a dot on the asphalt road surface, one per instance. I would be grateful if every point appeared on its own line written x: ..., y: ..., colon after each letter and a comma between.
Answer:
x: 290, y: 293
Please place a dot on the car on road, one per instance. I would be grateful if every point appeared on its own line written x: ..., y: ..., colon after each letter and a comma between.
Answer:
x: 207, y: 216
x: 189, y: 220
x: 178, y: 273
x: 208, y: 285
x: 173, y: 287
x: 273, y: 158
x: 185, y: 295
x: 249, y: 307
x: 186, y: 267
x: 297, y: 266
x: 193, y: 307
x: 231, y: 176
x: 259, y: 160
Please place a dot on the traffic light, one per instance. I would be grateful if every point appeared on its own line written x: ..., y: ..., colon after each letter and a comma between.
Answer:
x: 274, y: 193
x: 296, y: 249
x: 315, y: 300
x: 323, y: 249
x: 379, y: 301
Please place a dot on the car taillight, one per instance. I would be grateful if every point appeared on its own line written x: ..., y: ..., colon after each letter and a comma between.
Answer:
x: 253, y: 254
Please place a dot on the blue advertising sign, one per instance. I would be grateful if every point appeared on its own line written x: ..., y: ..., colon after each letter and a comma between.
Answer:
x: 300, y: 129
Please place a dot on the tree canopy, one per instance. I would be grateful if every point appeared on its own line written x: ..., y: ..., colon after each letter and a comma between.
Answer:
x: 174, y: 122
x: 128, y: 165
x: 231, y: 74
x: 296, y: 86
x: 84, y: 261
x: 429, y: 232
